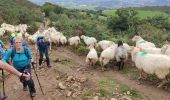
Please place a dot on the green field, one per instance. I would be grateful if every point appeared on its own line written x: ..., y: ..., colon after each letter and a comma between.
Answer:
x: 141, y: 14
x: 109, y: 12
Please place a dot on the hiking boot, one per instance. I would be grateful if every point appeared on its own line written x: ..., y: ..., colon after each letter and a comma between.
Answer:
x: 25, y: 88
x: 49, y: 66
x: 40, y: 66
x: 33, y: 94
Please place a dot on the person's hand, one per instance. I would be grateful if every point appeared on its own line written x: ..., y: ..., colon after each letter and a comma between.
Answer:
x: 26, y: 76
x: 32, y: 61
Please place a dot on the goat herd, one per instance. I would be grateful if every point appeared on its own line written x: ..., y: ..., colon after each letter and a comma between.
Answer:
x: 146, y: 56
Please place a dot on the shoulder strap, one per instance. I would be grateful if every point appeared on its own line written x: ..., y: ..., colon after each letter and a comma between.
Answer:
x: 13, y: 52
x: 25, y: 52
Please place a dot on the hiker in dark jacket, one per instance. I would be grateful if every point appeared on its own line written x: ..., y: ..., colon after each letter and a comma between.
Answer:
x: 43, y: 47
x: 21, y: 58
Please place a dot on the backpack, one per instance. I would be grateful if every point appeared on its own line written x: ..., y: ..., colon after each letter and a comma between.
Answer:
x: 11, y: 39
x: 25, y: 52
x: 39, y: 38
x: 2, y: 50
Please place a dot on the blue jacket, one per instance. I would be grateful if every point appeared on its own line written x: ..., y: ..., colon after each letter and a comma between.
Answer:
x: 20, y: 60
x: 1, y: 43
x: 43, y: 45
x: 2, y: 51
x: 11, y: 39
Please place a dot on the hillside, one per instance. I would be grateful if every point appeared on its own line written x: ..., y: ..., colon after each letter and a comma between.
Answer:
x: 20, y: 12
x: 70, y: 77
x: 141, y: 13
x: 165, y: 9
x: 104, y: 4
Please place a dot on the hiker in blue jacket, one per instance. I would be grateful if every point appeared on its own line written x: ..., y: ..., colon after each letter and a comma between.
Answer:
x: 2, y: 49
x: 12, y: 70
x: 21, y: 58
x: 43, y: 46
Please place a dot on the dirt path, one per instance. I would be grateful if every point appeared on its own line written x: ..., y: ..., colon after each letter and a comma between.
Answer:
x: 68, y: 64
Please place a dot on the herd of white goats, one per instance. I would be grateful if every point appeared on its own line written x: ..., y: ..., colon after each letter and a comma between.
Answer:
x: 145, y: 55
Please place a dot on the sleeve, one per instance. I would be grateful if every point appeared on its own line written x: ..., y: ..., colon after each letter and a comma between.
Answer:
x: 48, y: 43
x: 7, y: 55
x: 30, y: 53
x: 38, y: 43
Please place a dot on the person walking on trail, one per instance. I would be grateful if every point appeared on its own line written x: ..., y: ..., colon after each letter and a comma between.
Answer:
x: 12, y: 70
x: 2, y: 49
x: 43, y: 47
x: 21, y: 58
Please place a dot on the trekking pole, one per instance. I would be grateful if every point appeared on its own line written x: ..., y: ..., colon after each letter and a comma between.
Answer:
x: 3, y: 82
x: 37, y: 79
x: 36, y: 57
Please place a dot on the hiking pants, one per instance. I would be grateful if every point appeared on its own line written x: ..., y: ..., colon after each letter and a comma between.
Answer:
x: 41, y: 52
x: 30, y: 82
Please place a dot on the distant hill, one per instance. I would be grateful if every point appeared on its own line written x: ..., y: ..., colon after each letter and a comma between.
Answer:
x: 105, y: 4
x: 165, y: 9
x: 141, y: 13
x: 18, y: 11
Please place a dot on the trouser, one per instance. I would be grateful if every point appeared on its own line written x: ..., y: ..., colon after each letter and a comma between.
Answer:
x: 41, y: 52
x: 29, y: 83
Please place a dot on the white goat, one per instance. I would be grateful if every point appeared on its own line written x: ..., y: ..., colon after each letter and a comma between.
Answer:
x: 142, y: 43
x: 89, y: 41
x: 107, y: 55
x: 105, y: 44
x: 152, y: 64
x: 92, y: 56
x: 74, y: 41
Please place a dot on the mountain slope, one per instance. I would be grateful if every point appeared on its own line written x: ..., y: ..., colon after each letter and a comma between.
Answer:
x: 105, y: 3
x: 18, y: 11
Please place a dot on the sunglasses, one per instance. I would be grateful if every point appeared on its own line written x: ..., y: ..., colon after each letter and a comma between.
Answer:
x: 18, y: 42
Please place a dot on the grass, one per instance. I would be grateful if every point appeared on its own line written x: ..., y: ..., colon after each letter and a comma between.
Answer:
x: 124, y: 88
x: 81, y: 49
x: 5, y: 73
x: 141, y: 14
x: 109, y: 12
x: 103, y: 18
x: 131, y: 72
x: 87, y: 95
x: 107, y: 87
x: 104, y: 92
x: 144, y: 14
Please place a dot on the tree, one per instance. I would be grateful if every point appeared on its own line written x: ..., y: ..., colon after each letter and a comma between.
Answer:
x: 159, y: 21
x: 125, y: 19
x: 48, y: 7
